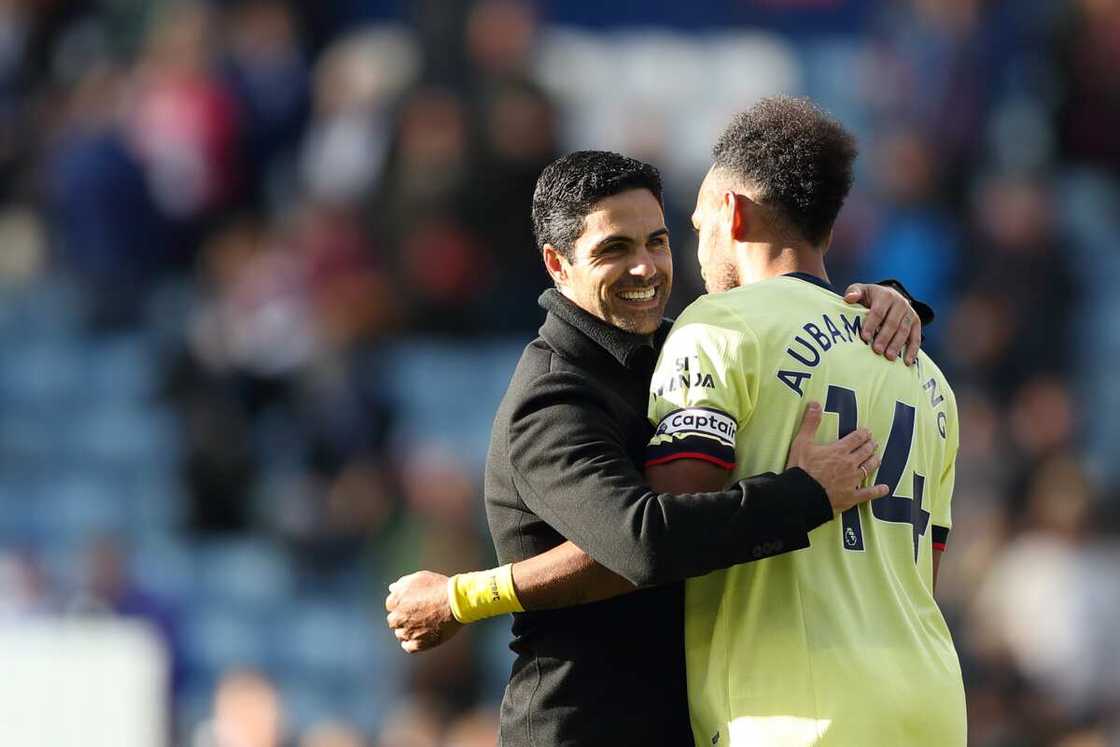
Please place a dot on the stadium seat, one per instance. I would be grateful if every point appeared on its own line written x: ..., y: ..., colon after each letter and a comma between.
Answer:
x: 167, y: 564
x: 250, y: 575
x: 448, y: 393
x: 218, y: 638
x: 122, y: 368
x: 73, y: 506
x: 329, y: 640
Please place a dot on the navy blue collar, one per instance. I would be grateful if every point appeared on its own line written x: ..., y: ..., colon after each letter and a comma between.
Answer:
x: 820, y: 282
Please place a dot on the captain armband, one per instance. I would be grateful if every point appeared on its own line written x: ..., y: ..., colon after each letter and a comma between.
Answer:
x: 482, y: 594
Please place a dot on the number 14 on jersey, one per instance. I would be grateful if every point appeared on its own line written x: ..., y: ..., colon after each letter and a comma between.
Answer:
x: 892, y: 507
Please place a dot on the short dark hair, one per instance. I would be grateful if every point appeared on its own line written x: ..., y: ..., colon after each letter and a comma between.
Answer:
x: 569, y: 186
x: 797, y: 156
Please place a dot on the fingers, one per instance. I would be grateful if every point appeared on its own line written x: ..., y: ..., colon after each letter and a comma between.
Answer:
x: 869, y: 465
x: 895, y: 330
x: 880, y: 303
x: 863, y: 452
x: 914, y: 343
x: 393, y: 599
x: 869, y: 494
x: 854, y: 293
x: 810, y: 421
x: 394, y: 619
x: 855, y: 439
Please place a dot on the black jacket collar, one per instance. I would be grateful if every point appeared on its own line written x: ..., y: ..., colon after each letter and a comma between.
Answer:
x: 576, y: 333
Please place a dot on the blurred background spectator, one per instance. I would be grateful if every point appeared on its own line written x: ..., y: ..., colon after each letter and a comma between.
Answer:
x: 265, y: 268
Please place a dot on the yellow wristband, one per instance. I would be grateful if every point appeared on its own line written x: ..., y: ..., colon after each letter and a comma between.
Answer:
x: 477, y: 596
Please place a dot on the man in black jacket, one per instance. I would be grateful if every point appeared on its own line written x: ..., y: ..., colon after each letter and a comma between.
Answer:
x: 568, y: 507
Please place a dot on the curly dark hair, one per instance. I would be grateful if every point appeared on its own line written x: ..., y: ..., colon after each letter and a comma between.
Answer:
x: 797, y: 156
x: 569, y: 186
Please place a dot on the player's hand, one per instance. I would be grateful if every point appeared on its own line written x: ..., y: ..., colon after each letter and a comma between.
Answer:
x: 892, y: 326
x: 841, y: 467
x: 419, y: 611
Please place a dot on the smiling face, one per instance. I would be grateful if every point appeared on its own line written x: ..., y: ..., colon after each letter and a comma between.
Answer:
x: 621, y: 267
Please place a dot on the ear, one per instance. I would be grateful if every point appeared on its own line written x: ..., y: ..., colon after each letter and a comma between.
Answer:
x: 555, y: 264
x: 738, y: 214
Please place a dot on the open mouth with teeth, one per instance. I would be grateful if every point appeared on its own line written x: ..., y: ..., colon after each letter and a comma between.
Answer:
x: 638, y: 295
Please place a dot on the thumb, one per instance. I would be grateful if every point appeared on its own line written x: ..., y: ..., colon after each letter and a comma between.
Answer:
x: 854, y: 293
x: 810, y: 421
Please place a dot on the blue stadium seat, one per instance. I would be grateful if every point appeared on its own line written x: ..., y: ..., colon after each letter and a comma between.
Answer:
x: 307, y: 702
x: 50, y: 308
x: 252, y: 575
x: 448, y: 393
x: 28, y: 440
x: 123, y: 434
x: 329, y: 640
x: 217, y: 638
x: 166, y: 566
x: 123, y: 368
x: 157, y: 500
x: 42, y: 371
x: 828, y: 64
x: 75, y: 505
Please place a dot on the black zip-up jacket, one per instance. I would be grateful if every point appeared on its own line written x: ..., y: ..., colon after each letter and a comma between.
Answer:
x: 562, y: 465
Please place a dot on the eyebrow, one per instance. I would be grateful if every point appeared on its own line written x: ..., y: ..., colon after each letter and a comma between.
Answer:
x: 663, y: 231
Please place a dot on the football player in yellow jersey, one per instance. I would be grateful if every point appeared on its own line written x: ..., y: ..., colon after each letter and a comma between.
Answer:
x: 840, y: 643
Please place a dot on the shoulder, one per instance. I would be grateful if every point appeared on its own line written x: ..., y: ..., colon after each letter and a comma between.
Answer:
x: 745, y: 308
x: 545, y: 379
x: 717, y: 321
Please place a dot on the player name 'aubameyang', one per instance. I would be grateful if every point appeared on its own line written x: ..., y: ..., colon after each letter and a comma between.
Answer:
x: 807, y: 349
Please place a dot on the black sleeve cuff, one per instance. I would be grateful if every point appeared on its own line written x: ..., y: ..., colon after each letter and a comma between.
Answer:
x: 925, y: 311
x: 778, y: 513
x: 815, y: 506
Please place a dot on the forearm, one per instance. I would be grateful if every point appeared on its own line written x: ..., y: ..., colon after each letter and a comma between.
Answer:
x: 601, y: 502
x: 773, y: 515
x: 767, y: 523
x: 564, y: 577
x: 660, y: 538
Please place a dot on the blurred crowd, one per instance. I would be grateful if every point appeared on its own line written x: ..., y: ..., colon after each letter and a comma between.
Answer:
x: 308, y: 223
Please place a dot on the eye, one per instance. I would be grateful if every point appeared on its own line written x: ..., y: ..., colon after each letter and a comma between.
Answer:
x: 610, y: 250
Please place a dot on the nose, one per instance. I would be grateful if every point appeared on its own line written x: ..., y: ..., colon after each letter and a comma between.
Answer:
x: 643, y: 266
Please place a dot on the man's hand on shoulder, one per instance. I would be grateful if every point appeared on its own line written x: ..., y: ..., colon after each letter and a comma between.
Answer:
x: 420, y: 611
x: 841, y: 466
x: 892, y: 326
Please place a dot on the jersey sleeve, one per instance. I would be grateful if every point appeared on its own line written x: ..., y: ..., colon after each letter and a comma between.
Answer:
x: 703, y: 389
x: 942, y: 515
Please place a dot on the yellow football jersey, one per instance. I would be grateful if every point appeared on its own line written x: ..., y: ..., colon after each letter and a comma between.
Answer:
x: 840, y: 643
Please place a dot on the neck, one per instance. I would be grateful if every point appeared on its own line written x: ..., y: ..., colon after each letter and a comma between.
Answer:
x: 759, y: 261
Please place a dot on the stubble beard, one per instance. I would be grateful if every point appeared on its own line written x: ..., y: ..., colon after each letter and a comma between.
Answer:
x: 720, y: 277
x: 644, y: 323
